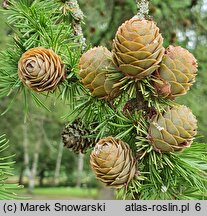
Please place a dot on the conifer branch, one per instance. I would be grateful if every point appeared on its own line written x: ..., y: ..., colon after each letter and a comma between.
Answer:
x: 6, y: 164
x: 78, y: 16
x: 35, y: 25
x: 159, y: 176
x: 143, y: 8
x: 141, y: 103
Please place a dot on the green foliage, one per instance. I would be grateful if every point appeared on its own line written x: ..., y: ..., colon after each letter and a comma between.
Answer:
x: 171, y: 176
x: 38, y: 24
x: 6, y: 167
x: 41, y: 23
x: 160, y: 176
x: 180, y: 22
x: 146, y: 92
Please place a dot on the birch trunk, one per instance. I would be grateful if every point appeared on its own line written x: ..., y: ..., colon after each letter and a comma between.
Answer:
x: 58, y: 164
x: 105, y: 194
x: 27, y: 170
x: 33, y: 172
x: 80, y: 169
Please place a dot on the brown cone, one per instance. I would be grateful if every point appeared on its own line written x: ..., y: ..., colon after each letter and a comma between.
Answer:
x: 75, y: 137
x: 177, y: 71
x: 41, y: 69
x: 112, y: 162
x: 173, y: 130
x: 95, y: 66
x: 138, y: 48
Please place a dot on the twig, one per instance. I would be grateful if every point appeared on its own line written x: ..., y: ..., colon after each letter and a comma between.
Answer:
x: 136, y: 104
x: 143, y: 8
x: 78, y: 16
x: 141, y: 103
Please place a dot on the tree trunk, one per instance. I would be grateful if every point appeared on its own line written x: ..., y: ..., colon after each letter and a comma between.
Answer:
x: 80, y: 169
x: 105, y: 194
x: 41, y: 177
x: 27, y: 170
x: 33, y: 172
x: 30, y: 172
x: 56, y: 180
x: 21, y: 175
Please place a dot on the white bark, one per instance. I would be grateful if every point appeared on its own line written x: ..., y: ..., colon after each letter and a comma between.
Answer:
x: 58, y: 164
x: 33, y: 172
x: 26, y: 150
x: 30, y: 172
x: 106, y: 193
x: 80, y: 169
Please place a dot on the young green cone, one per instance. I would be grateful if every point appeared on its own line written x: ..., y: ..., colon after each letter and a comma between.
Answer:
x: 172, y: 131
x: 112, y: 162
x: 177, y: 71
x: 138, y: 48
x: 95, y: 66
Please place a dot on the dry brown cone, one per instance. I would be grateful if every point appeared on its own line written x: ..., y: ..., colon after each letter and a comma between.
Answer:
x: 134, y: 105
x: 76, y: 137
x: 41, y: 69
x: 138, y: 48
x: 113, y: 162
x: 95, y: 66
x: 177, y: 72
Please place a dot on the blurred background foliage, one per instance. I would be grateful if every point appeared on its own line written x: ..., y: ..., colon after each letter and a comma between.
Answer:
x: 38, y: 142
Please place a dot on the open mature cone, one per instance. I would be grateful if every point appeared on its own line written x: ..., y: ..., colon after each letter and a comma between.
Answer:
x: 75, y: 137
x: 112, y: 162
x: 177, y: 72
x: 41, y: 69
x: 173, y: 130
x: 95, y: 66
x: 138, y: 48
